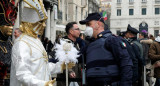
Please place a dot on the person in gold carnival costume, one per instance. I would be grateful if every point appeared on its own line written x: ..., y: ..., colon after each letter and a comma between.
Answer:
x: 30, y: 66
x: 8, y: 14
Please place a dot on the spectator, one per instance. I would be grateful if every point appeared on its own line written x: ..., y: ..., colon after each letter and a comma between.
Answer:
x: 49, y: 46
x: 154, y: 54
x: 143, y: 38
x: 17, y: 32
x: 151, y: 37
x: 45, y: 42
x: 73, y: 33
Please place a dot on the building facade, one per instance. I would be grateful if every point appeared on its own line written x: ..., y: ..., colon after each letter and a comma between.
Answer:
x: 93, y: 6
x: 60, y: 12
x: 140, y: 14
x: 68, y: 11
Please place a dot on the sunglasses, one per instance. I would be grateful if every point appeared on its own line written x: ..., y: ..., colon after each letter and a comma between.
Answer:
x: 76, y: 29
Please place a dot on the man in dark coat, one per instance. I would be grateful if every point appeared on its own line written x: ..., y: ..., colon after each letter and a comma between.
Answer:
x: 132, y: 55
x: 107, y: 59
x: 73, y: 33
x: 131, y: 35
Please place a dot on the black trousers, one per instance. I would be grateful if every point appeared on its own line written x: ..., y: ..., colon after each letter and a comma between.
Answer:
x: 96, y: 82
x: 101, y: 82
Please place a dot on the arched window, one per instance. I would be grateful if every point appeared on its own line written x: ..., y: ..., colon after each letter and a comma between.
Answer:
x: 143, y: 26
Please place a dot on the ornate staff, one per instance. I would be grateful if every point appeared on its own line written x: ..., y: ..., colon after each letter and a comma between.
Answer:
x: 66, y: 52
x: 67, y: 48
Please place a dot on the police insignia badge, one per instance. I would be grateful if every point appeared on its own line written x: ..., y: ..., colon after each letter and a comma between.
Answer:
x: 123, y: 45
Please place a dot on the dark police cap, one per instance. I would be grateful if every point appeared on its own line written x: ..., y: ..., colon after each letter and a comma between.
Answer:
x: 132, y: 30
x: 122, y: 34
x: 92, y: 16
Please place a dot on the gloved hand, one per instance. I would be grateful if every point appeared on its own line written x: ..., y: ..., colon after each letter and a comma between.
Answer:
x: 50, y: 83
x: 70, y: 65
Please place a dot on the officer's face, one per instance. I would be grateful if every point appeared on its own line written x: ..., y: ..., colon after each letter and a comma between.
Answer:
x: 95, y: 26
x: 128, y: 35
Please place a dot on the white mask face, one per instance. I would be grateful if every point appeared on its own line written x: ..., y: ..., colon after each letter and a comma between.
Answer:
x: 89, y: 31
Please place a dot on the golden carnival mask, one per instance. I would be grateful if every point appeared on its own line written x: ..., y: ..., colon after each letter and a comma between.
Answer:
x: 33, y: 17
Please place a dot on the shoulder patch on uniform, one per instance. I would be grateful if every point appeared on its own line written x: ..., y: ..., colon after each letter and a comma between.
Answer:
x: 123, y: 45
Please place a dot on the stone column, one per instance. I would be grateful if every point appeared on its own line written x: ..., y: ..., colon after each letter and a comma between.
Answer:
x: 53, y: 26
x: 47, y: 29
x: 63, y: 11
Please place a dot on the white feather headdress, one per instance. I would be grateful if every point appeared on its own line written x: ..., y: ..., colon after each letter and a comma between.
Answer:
x: 66, y: 52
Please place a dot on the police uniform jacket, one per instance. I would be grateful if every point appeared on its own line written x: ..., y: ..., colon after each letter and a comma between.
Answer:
x: 107, y: 60
x: 134, y: 59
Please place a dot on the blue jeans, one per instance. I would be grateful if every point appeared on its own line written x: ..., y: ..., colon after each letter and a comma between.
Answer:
x: 157, y: 82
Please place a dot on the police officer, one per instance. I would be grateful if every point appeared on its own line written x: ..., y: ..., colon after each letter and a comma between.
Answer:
x: 132, y: 55
x: 107, y: 60
x: 131, y: 35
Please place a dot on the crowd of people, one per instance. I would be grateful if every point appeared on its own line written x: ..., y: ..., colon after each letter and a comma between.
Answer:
x: 114, y: 60
x: 104, y: 59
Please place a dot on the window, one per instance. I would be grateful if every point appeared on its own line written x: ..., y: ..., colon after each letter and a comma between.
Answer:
x: 81, y: 13
x: 86, y: 14
x: 157, y: 11
x: 156, y: 22
x: 131, y: 11
x: 157, y: 1
x: 143, y: 11
x: 118, y: 1
x: 156, y: 33
x: 131, y: 1
x: 144, y: 0
x: 118, y: 12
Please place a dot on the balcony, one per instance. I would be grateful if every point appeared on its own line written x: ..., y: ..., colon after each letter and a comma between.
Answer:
x: 131, y: 2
